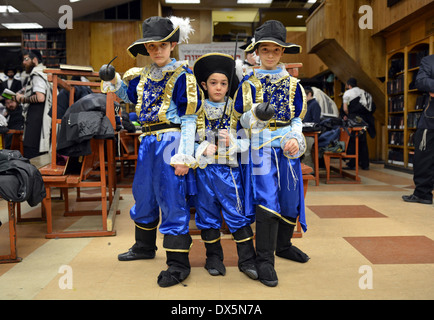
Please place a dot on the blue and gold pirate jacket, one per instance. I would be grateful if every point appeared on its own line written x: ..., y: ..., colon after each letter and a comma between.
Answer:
x: 166, y: 94
x: 209, y: 119
x: 289, y: 103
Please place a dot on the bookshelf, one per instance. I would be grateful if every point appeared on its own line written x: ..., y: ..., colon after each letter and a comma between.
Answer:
x: 404, y: 103
x: 51, y: 43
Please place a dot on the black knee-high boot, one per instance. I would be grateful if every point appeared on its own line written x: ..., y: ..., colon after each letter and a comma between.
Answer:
x: 214, y: 252
x: 246, y: 251
x: 177, y: 249
x: 144, y: 247
x: 266, y: 235
x: 284, y: 248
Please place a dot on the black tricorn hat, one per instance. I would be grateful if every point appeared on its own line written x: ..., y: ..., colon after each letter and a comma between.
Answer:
x: 211, y: 63
x: 273, y: 31
x: 154, y: 29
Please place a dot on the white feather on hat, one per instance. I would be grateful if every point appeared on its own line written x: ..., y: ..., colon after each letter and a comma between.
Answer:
x: 185, y: 28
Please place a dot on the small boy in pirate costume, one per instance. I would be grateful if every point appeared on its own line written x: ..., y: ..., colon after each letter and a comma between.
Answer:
x: 276, y: 146
x: 220, y: 190
x: 167, y: 98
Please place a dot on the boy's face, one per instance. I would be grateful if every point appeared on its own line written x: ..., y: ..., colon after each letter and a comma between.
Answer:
x: 160, y: 52
x: 270, y: 55
x: 217, y: 86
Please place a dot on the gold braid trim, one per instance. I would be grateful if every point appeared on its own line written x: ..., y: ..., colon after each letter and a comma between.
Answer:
x: 140, y: 89
x: 304, y: 110
x: 167, y: 95
x: 132, y: 73
x: 292, y: 88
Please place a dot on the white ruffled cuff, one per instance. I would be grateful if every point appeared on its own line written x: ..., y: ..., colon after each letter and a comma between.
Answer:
x: 107, y: 86
x: 201, y: 159
x: 184, y: 159
x: 301, y: 143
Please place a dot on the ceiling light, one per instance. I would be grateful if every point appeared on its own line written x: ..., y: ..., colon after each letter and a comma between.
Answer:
x: 182, y: 1
x: 311, y: 1
x: 22, y: 25
x: 10, y: 9
x: 254, y: 1
x: 299, y: 16
x: 74, y: 0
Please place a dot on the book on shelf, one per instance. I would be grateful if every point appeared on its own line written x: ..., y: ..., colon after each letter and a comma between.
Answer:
x: 76, y: 67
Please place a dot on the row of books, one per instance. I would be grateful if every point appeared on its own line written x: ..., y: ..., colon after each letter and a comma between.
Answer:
x: 413, y: 119
x: 395, y: 122
x: 396, y: 157
x: 395, y: 86
x: 422, y: 101
x: 396, y: 138
x: 396, y: 103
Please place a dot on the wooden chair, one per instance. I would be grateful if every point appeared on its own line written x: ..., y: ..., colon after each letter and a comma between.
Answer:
x: 128, y: 149
x: 54, y: 175
x: 344, y: 136
x: 13, y: 255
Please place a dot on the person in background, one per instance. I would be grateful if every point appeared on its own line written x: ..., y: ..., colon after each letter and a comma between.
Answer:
x: 11, y: 83
x: 313, y: 115
x: 15, y: 119
x: 35, y: 97
x: 358, y: 103
x: 423, y: 166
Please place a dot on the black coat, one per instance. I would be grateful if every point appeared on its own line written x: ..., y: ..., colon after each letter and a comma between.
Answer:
x: 84, y: 120
x: 20, y: 180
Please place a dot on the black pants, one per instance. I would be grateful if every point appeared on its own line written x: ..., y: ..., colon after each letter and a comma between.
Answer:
x: 423, y: 166
x: 363, y: 150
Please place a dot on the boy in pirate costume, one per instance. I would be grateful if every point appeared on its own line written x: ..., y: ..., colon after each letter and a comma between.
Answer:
x: 167, y: 98
x: 276, y: 146
x: 218, y: 178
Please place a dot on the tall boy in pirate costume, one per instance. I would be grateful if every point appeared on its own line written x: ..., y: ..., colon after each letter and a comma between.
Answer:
x: 219, y: 180
x: 167, y: 98
x: 276, y: 146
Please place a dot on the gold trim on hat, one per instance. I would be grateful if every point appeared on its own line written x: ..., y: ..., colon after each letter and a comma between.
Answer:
x: 251, y: 47
x: 148, y: 41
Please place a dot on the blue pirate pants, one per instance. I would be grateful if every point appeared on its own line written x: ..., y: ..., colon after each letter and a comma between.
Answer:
x: 219, y: 187
x: 156, y: 186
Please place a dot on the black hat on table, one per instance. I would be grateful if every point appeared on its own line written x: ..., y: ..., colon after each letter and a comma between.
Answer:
x: 272, y: 31
x: 211, y: 63
x: 159, y: 29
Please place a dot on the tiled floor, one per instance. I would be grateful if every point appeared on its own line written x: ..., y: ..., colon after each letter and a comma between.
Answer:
x: 363, y: 240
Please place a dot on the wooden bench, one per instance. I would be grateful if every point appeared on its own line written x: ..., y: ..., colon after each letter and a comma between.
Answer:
x: 14, y: 216
x: 54, y: 175
x: 13, y: 255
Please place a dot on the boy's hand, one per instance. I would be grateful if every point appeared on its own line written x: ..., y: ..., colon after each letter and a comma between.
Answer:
x: 224, y: 134
x: 291, y: 147
x: 181, y: 169
x: 210, y: 150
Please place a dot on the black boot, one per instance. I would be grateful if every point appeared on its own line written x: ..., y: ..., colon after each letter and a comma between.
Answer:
x: 144, y: 248
x: 266, y: 234
x: 284, y: 247
x: 214, y: 252
x: 177, y: 248
x: 246, y: 252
